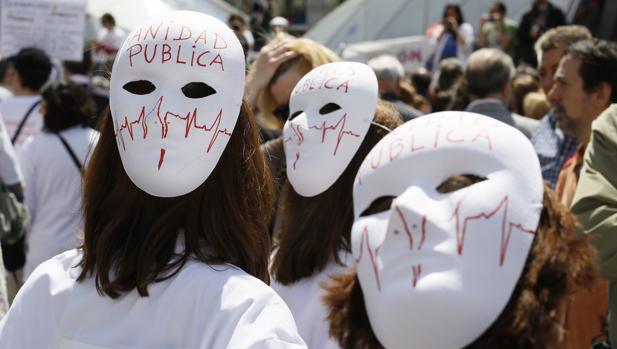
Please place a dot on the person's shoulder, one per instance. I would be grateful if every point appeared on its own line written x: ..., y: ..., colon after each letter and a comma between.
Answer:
x: 52, y: 278
x: 606, y: 123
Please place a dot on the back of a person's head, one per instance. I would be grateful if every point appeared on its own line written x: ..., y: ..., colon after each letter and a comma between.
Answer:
x: 67, y: 105
x: 488, y: 71
x: 387, y: 67
x: 5, y: 64
x: 562, y: 36
x: 522, y: 84
x: 108, y: 18
x: 597, y: 61
x: 33, y: 66
x: 536, y: 105
x: 82, y: 67
x: 450, y: 72
x: 421, y: 80
x: 310, y: 54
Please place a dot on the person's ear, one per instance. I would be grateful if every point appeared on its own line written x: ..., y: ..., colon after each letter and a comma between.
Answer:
x: 602, y: 95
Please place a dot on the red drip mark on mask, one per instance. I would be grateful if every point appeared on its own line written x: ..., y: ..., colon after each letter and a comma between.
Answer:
x: 405, y: 226
x: 340, y: 126
x: 297, y: 158
x: 371, y: 253
x: 161, y: 159
x: 416, y: 271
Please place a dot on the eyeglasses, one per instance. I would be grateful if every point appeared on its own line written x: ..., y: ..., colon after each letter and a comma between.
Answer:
x: 282, y: 112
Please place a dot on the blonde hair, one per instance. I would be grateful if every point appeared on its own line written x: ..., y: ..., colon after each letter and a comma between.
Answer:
x: 536, y: 105
x: 310, y: 55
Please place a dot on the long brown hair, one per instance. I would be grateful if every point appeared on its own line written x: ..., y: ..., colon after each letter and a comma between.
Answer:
x: 557, y: 266
x: 315, y: 229
x: 130, y: 236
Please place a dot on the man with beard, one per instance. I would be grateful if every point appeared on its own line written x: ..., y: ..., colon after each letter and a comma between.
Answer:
x: 585, y: 85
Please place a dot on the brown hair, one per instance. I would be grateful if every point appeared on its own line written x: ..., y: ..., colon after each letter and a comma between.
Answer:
x: 522, y: 85
x: 314, y: 229
x: 130, y: 236
x: 558, y: 265
x: 310, y: 55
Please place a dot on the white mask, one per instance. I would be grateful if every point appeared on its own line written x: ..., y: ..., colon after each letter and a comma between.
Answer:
x: 437, y: 269
x: 172, y: 129
x: 331, y: 109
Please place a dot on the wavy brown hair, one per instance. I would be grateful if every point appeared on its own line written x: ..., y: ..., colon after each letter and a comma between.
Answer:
x: 314, y: 229
x: 130, y: 236
x: 557, y: 266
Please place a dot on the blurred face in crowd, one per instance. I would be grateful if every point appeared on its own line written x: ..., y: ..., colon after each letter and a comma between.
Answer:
x: 574, y: 107
x: 548, y: 67
x: 282, y: 87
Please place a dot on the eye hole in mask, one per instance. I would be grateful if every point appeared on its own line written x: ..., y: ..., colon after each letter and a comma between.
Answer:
x: 454, y: 183
x: 139, y: 87
x: 329, y: 108
x: 382, y: 203
x: 197, y: 90
x: 295, y: 115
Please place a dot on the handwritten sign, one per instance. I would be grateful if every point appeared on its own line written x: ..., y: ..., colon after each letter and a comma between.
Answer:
x: 412, y: 51
x: 55, y: 26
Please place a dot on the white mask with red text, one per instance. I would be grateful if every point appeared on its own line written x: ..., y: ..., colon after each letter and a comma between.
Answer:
x: 331, y: 109
x: 176, y: 91
x: 437, y: 269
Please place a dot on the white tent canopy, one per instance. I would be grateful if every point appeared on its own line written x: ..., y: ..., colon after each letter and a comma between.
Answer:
x: 366, y: 20
x: 129, y: 13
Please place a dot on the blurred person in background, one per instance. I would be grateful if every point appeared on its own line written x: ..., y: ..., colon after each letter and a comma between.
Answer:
x: 446, y: 82
x: 5, y: 93
x: 498, y: 31
x: 488, y: 74
x: 53, y: 164
x: 238, y: 24
x: 583, y: 89
x: 80, y: 72
x: 390, y: 75
x: 552, y: 146
x: 29, y: 70
x: 421, y: 81
x: 452, y: 38
x: 542, y: 17
x: 108, y: 40
x: 523, y: 82
x: 536, y: 105
x: 273, y: 75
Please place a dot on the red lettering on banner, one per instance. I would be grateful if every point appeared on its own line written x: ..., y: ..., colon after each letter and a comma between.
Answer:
x: 152, y: 32
x: 483, y: 134
x: 397, y: 144
x: 344, y: 85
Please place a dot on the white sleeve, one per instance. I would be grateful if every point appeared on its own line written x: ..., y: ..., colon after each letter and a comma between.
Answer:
x: 464, y: 51
x: 260, y: 321
x: 29, y: 178
x: 9, y: 167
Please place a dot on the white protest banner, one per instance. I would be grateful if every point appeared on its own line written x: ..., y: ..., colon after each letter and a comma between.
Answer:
x: 55, y: 26
x: 411, y: 51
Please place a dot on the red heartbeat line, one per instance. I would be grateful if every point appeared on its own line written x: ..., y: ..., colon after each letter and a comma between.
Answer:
x: 190, y: 123
x: 372, y: 254
x: 461, y: 232
x: 341, y: 132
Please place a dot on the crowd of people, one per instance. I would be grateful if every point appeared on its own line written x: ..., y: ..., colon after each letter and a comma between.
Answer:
x: 286, y: 198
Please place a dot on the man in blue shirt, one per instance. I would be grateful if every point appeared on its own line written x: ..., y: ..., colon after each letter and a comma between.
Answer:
x: 552, y: 146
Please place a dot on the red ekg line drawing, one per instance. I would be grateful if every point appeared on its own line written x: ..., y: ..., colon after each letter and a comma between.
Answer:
x: 297, y: 158
x: 190, y: 123
x: 372, y: 255
x: 507, y: 228
x: 340, y: 126
x: 416, y: 270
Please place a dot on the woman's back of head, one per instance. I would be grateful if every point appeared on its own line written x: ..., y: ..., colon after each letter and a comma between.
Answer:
x: 66, y: 104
